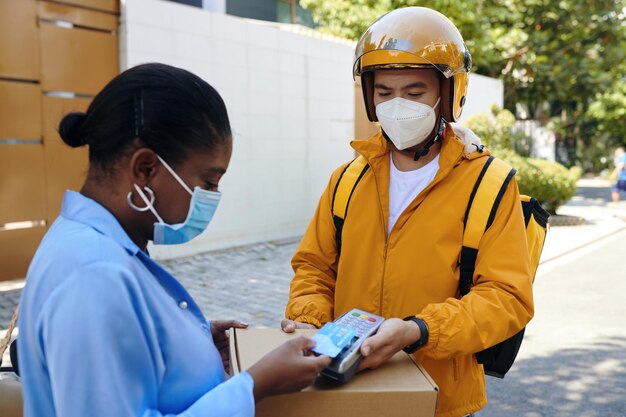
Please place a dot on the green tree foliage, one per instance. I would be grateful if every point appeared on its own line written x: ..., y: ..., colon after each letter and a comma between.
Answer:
x: 350, y: 18
x: 573, y: 49
x: 561, y: 55
x: 609, y: 110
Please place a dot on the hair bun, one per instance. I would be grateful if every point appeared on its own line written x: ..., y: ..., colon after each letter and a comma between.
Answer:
x: 71, y: 128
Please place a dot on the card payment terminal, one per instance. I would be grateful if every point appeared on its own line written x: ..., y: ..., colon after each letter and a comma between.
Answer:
x: 342, y: 339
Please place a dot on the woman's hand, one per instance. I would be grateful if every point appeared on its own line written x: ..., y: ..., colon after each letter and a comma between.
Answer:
x: 221, y: 338
x: 288, y: 368
x: 290, y: 326
x: 392, y: 336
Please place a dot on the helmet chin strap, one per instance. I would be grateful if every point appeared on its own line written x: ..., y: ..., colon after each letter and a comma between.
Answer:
x: 422, y: 152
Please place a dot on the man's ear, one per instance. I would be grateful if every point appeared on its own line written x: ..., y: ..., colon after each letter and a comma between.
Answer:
x: 144, y: 165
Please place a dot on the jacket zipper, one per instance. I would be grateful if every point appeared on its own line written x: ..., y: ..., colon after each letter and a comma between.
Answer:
x: 380, y: 206
x: 384, y: 227
x: 382, y: 279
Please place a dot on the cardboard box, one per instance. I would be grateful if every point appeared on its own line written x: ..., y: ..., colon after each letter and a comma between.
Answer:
x: 10, y: 398
x: 398, y: 388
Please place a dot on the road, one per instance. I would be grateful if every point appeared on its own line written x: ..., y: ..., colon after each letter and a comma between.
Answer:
x: 573, y: 359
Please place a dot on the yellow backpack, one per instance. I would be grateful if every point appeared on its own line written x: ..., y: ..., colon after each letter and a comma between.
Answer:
x: 481, y: 210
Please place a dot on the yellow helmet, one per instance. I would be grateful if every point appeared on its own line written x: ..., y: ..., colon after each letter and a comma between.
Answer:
x: 415, y: 37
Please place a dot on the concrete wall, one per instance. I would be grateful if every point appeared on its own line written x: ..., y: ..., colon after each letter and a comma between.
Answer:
x: 290, y: 98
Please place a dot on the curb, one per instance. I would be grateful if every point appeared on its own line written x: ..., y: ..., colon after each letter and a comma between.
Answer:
x: 558, y: 220
x: 583, y: 245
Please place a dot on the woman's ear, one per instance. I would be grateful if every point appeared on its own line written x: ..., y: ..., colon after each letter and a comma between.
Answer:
x: 144, y: 165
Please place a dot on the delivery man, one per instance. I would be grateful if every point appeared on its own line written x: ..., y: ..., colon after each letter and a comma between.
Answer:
x: 399, y: 248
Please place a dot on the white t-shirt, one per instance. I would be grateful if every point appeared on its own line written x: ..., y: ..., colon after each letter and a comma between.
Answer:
x: 404, y: 186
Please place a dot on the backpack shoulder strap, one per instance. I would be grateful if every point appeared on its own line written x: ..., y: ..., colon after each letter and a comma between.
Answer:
x: 481, y: 210
x: 344, y: 188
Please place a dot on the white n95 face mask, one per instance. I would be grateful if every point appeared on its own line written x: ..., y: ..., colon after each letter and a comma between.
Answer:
x: 407, y: 123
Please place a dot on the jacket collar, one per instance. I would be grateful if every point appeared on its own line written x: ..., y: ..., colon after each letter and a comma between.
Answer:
x: 78, y: 208
x: 458, y: 142
x: 453, y: 150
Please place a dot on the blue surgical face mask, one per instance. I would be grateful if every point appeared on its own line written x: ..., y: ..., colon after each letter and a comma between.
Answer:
x: 201, y: 209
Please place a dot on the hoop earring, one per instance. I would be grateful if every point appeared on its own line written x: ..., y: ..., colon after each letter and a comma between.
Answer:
x: 143, y: 197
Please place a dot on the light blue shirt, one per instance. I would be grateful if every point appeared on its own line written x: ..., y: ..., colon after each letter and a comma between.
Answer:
x: 622, y: 172
x: 105, y: 331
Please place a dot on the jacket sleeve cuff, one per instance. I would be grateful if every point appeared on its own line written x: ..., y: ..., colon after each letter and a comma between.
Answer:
x: 433, y: 332
x: 307, y: 319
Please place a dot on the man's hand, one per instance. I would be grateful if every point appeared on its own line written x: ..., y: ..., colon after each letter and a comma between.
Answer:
x: 221, y: 339
x: 290, y: 326
x: 392, y: 336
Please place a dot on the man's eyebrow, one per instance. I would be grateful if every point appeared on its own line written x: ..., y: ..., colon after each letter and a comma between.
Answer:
x: 215, y: 170
x: 417, y: 84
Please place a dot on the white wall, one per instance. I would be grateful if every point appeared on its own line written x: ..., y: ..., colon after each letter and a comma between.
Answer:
x: 290, y: 98
x: 543, y: 139
x: 483, y: 92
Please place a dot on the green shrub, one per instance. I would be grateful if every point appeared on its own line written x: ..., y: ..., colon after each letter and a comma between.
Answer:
x: 576, y: 172
x: 549, y: 182
x: 496, y: 132
x: 485, y: 128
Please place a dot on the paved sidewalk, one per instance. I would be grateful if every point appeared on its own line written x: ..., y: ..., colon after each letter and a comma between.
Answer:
x: 251, y: 283
x: 602, y: 218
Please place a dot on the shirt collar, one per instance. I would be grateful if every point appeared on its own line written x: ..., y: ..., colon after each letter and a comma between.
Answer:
x: 84, y: 210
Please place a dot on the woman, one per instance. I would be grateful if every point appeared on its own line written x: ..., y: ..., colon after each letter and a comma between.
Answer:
x: 104, y: 330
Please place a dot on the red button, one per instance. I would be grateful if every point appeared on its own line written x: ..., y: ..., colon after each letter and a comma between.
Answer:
x: 372, y: 319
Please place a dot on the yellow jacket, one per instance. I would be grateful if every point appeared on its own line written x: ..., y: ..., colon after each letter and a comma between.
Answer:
x: 414, y: 270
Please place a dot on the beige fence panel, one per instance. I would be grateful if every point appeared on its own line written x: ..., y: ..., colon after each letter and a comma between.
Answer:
x: 76, y: 60
x: 22, y: 176
x: 19, y: 42
x: 18, y: 247
x: 54, y: 56
x: 112, y: 6
x: 79, y: 55
x: 66, y: 167
x: 22, y: 173
x: 20, y: 110
x: 51, y: 12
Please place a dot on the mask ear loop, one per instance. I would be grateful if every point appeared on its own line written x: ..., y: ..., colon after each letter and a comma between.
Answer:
x: 149, y: 203
x: 175, y: 175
